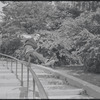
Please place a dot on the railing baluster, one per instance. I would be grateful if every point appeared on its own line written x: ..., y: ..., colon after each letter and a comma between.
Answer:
x: 2, y: 61
x: 28, y: 75
x: 21, y: 74
x: 36, y: 81
x: 27, y: 80
x: 16, y: 69
x: 11, y: 66
x: 7, y: 62
x: 33, y: 88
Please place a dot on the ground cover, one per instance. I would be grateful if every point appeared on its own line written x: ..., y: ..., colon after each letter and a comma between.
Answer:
x: 79, y: 73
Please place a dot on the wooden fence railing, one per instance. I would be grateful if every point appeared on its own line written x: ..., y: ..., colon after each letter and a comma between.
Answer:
x: 35, y: 81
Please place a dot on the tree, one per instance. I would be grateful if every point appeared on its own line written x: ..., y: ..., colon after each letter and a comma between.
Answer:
x: 28, y: 16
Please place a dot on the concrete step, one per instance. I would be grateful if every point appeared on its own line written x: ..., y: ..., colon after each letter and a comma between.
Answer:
x: 24, y: 74
x: 9, y: 82
x: 51, y: 81
x: 7, y: 74
x: 45, y: 75
x: 13, y: 92
x: 38, y: 71
x: 5, y: 71
x: 64, y: 92
x: 14, y: 66
x: 19, y: 71
x: 59, y: 87
x: 70, y: 97
x: 7, y: 77
x: 2, y: 68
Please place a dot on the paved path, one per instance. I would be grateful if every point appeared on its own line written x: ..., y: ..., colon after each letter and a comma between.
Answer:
x: 9, y: 84
x: 55, y: 88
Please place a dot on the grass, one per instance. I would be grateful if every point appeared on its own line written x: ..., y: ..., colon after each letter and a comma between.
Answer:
x: 79, y: 73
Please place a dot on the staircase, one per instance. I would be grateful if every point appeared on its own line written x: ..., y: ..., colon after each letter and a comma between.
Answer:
x: 9, y: 85
x: 56, y: 88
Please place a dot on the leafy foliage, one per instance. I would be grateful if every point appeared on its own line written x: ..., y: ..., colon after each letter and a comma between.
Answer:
x: 70, y: 29
x: 26, y: 16
x: 10, y: 45
x: 91, y: 55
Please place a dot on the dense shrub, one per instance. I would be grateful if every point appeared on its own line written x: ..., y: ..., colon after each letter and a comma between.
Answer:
x: 64, y: 56
x: 90, y: 21
x: 10, y: 45
x: 45, y: 52
x: 19, y: 53
x: 92, y: 62
x: 91, y: 56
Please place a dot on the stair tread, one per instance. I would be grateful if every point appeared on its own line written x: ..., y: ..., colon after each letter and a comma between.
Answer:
x: 12, y: 92
x: 55, y: 87
x: 70, y: 97
x: 65, y: 92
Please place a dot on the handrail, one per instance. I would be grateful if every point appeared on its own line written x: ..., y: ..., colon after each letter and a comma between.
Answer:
x: 42, y: 92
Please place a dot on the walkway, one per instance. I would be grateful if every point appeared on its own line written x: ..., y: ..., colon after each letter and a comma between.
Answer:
x: 9, y: 85
x: 55, y: 88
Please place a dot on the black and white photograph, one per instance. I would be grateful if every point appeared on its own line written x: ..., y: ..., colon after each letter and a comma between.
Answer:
x: 50, y: 49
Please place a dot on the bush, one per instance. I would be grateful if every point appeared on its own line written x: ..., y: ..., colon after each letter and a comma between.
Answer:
x: 45, y: 52
x: 92, y: 63
x: 90, y: 21
x: 18, y: 53
x: 64, y: 56
x: 10, y: 45
x: 91, y: 56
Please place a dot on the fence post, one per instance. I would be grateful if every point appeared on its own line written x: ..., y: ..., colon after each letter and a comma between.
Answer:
x: 28, y: 74
x: 21, y: 74
x: 33, y: 88
x: 2, y: 60
x: 11, y: 66
x: 7, y: 63
x: 16, y: 69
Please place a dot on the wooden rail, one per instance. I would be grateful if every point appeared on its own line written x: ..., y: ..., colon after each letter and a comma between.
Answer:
x: 36, y: 81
